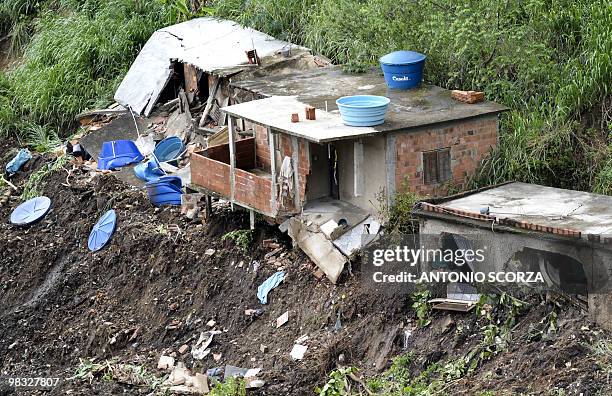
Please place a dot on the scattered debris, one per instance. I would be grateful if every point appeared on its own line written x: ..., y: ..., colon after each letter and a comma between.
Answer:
x: 209, y: 252
x: 233, y: 371
x: 165, y: 362
x: 302, y: 339
x: 269, y: 284
x: 200, y: 350
x: 310, y: 113
x: 254, y: 312
x: 183, y: 349
x: 252, y: 383
x: 298, y: 351
x: 467, y: 96
x: 281, y: 320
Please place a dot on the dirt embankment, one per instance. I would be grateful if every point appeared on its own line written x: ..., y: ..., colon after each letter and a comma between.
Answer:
x: 154, y: 289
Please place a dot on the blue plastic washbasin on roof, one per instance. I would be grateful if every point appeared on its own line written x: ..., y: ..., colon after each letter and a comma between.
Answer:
x: 102, y: 231
x: 30, y: 211
x: 363, y: 110
x: 402, y: 58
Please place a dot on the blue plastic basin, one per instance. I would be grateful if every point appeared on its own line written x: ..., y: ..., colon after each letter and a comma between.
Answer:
x: 167, y: 190
x: 118, y: 153
x: 403, y: 69
x: 169, y: 149
x: 363, y: 110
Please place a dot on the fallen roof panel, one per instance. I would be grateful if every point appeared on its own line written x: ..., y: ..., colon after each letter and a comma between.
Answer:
x: 212, y: 45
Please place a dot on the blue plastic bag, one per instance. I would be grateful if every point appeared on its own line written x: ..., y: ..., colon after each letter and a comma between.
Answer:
x: 17, y: 162
x: 269, y: 284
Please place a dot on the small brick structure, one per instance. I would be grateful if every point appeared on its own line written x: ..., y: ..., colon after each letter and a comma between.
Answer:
x: 428, y: 144
x: 469, y: 143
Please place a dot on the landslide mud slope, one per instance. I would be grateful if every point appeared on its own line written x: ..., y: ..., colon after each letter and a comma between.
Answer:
x: 154, y: 289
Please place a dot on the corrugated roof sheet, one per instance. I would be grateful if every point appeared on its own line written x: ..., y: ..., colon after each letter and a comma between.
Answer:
x: 212, y: 45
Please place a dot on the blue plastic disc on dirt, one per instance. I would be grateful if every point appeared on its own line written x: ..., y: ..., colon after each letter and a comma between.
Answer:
x: 31, y: 211
x: 102, y: 231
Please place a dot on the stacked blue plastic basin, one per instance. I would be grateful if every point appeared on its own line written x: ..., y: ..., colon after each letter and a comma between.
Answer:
x: 167, y: 190
x: 363, y: 110
x: 403, y: 69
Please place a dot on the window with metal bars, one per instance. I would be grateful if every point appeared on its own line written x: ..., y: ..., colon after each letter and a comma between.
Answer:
x: 436, y: 166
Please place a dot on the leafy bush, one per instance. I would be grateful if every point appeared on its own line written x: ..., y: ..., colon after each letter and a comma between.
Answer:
x: 548, y: 61
x: 242, y: 238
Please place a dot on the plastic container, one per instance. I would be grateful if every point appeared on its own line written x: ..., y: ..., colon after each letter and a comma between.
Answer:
x: 118, y: 153
x: 31, y: 211
x: 167, y: 190
x: 169, y: 149
x: 403, y: 69
x: 363, y: 110
x: 102, y: 231
x: 149, y: 171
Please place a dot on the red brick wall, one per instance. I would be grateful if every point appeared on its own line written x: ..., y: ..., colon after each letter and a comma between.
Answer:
x: 262, y: 148
x: 210, y: 174
x: 469, y: 142
x: 252, y: 190
x: 303, y: 167
x: 245, y: 153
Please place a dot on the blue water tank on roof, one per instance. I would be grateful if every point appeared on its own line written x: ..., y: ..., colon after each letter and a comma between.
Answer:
x: 403, y: 69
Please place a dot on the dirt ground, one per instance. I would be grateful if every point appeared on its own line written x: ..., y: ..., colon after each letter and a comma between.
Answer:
x: 154, y: 289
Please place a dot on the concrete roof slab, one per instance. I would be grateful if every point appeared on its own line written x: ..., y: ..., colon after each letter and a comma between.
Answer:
x: 414, y: 108
x: 276, y: 112
x: 547, y: 206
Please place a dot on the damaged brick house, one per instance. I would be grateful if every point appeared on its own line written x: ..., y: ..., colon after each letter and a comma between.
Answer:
x: 234, y: 91
x: 194, y: 62
x: 565, y: 235
x: 332, y: 177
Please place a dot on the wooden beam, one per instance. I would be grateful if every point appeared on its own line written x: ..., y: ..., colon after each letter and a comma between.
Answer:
x: 232, y: 150
x: 271, y: 144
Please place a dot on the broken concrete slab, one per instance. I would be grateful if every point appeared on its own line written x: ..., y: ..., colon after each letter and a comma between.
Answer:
x: 298, y: 351
x: 319, y: 249
x: 165, y: 362
x: 358, y: 237
x: 120, y: 128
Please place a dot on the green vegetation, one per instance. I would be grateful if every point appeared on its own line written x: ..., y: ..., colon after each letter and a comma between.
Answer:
x: 75, y: 53
x: 110, y: 370
x: 548, y: 60
x: 338, y: 383
x: 420, y: 303
x: 242, y: 238
x: 231, y: 387
x: 34, y: 185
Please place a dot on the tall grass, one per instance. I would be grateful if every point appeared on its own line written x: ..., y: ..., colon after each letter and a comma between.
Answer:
x: 550, y: 61
x: 78, y: 54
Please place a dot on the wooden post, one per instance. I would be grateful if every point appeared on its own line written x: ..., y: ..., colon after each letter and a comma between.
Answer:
x: 252, y: 218
x: 208, y: 199
x: 272, y: 147
x: 232, y: 150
